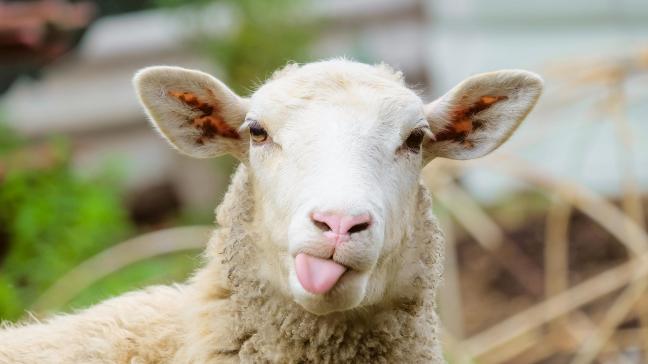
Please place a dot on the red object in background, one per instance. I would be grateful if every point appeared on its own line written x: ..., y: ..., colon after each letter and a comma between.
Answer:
x: 40, y: 30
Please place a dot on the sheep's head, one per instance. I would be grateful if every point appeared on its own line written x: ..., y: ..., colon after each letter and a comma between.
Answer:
x: 334, y: 151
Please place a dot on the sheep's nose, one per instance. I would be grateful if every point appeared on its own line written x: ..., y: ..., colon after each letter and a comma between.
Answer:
x: 340, y: 226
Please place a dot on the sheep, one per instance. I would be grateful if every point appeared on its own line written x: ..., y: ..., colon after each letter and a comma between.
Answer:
x: 326, y: 249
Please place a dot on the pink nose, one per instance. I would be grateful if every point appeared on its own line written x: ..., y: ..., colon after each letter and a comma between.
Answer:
x: 339, y: 226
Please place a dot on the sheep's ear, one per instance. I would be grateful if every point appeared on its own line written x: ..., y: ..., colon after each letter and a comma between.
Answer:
x: 480, y: 114
x: 195, y: 112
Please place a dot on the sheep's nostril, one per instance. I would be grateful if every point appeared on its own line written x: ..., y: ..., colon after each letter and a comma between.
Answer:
x: 322, y: 225
x: 358, y: 228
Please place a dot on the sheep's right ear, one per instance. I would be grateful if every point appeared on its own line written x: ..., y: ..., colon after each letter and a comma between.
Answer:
x: 195, y: 112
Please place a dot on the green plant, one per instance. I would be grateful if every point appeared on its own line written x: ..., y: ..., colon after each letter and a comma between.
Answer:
x: 165, y: 269
x: 50, y: 220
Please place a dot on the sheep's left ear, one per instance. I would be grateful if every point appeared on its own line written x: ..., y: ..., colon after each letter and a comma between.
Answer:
x: 480, y: 114
x: 195, y: 112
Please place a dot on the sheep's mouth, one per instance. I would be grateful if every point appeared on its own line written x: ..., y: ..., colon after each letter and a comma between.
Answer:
x: 318, y: 275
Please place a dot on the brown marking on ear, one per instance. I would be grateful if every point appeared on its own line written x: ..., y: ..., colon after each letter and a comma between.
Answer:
x: 464, y: 121
x: 210, y: 123
x: 463, y: 126
x: 489, y: 100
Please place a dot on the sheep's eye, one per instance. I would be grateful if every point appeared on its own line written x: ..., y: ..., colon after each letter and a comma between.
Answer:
x: 414, y: 140
x: 257, y: 133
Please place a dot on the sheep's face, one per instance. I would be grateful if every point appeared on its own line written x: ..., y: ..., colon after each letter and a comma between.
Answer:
x: 335, y: 169
x: 334, y: 151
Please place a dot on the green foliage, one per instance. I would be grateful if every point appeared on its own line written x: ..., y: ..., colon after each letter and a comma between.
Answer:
x: 267, y: 35
x: 165, y: 269
x: 50, y: 221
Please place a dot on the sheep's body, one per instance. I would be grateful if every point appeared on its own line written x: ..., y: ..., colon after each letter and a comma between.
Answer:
x: 142, y: 325
x: 226, y: 313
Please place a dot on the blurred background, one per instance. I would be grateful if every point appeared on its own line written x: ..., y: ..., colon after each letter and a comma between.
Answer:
x: 547, y: 248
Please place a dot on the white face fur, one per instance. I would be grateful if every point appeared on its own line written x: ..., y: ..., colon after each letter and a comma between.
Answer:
x: 334, y: 151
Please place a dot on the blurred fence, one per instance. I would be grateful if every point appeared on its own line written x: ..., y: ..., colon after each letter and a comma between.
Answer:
x: 570, y: 311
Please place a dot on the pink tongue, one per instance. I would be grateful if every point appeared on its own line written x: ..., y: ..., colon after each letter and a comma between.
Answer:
x: 317, y: 275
